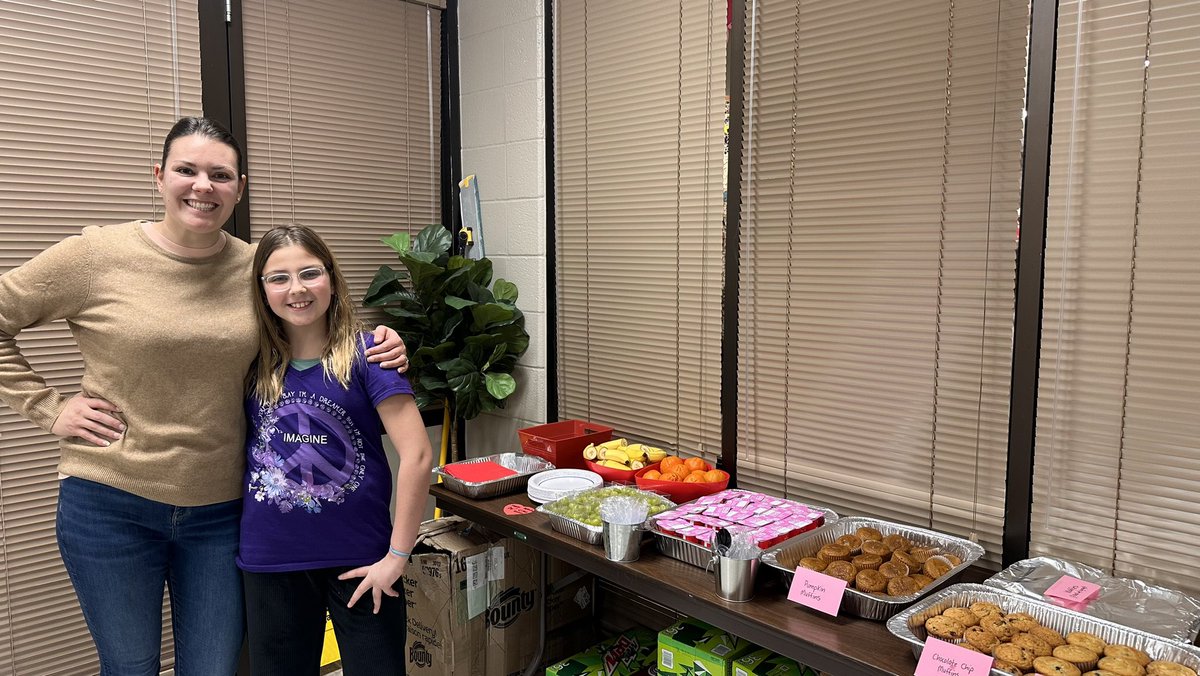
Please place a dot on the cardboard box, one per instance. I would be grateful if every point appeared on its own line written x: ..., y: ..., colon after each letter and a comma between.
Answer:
x: 513, y: 613
x: 572, y: 594
x: 763, y: 662
x: 627, y: 654
x: 691, y: 647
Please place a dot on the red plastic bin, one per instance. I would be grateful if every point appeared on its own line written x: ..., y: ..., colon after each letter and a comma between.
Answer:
x: 562, y: 442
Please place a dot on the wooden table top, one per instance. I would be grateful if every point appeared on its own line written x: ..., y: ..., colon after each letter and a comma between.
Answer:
x: 837, y: 646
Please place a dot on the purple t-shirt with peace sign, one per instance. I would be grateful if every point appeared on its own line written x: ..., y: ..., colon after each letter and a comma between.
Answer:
x: 318, y: 485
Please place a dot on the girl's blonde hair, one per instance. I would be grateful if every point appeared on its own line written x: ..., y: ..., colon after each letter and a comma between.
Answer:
x: 274, y: 353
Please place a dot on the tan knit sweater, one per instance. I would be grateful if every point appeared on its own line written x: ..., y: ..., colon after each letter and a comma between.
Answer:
x: 165, y: 338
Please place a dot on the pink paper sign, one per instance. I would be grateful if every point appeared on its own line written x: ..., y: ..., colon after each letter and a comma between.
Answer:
x: 946, y: 659
x: 1072, y: 592
x: 817, y: 590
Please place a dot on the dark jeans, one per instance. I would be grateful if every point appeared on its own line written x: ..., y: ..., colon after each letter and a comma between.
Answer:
x: 285, y: 617
x: 119, y: 549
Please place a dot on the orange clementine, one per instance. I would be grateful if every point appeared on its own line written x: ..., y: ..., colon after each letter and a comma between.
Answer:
x: 713, y: 476
x: 695, y: 464
x: 652, y: 474
x: 680, y: 471
x: 694, y: 478
x: 668, y: 476
x: 669, y: 462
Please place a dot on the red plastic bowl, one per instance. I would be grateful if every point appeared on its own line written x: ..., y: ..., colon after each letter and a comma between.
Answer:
x: 617, y: 476
x: 679, y: 491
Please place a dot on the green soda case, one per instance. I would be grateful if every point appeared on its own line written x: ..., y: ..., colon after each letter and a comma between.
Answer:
x: 763, y: 662
x: 626, y: 654
x: 695, y: 648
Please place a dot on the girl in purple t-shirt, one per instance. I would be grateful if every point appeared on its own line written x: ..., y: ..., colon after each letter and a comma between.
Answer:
x: 315, y: 514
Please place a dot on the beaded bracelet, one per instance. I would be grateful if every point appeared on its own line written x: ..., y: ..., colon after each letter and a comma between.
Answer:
x: 397, y: 552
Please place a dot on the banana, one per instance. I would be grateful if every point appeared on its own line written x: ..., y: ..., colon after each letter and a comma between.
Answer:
x: 613, y: 464
x: 635, y: 451
x: 615, y: 443
x: 654, y: 454
x: 590, y: 452
x: 636, y: 464
x: 617, y: 455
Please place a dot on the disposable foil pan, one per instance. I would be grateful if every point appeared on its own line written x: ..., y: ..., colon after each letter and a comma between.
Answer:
x: 700, y: 555
x: 592, y: 535
x: 909, y: 625
x: 1133, y: 603
x: 525, y: 466
x: 786, y: 555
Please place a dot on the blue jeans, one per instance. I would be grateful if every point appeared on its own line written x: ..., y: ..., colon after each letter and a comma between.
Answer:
x: 119, y: 549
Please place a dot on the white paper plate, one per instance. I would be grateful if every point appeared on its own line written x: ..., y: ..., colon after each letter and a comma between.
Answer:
x: 553, y: 484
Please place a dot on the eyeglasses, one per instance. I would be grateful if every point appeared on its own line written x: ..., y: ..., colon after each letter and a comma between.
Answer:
x: 283, y: 280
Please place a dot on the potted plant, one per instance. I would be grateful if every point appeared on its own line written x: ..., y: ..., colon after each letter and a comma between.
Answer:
x: 464, y: 333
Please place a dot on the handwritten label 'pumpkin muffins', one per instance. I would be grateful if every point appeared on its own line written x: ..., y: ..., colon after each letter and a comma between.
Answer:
x: 817, y: 591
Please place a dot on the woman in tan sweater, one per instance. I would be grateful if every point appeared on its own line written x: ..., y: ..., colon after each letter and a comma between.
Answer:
x: 152, y: 448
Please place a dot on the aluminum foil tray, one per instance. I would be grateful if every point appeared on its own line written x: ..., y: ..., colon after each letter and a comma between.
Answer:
x: 786, y: 555
x: 909, y: 625
x: 700, y: 555
x: 525, y: 466
x: 592, y: 535
x: 1132, y: 603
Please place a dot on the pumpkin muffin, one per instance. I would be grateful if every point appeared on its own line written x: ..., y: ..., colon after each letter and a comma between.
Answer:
x: 1115, y: 650
x: 1083, y: 658
x: 1090, y: 641
x: 937, y: 566
x: 813, y: 563
x: 871, y: 581
x: 842, y: 570
x: 865, y: 561
x: 922, y: 554
x: 902, y: 586
x: 875, y: 547
x: 897, y: 542
x: 1015, y: 655
x: 893, y: 569
x: 868, y: 533
x: 1053, y: 666
x: 834, y: 552
x: 1122, y: 666
x: 921, y: 579
x: 852, y: 541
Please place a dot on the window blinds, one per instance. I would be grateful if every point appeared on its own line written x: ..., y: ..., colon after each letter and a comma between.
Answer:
x: 1117, y: 458
x: 640, y: 107
x: 881, y: 171
x: 87, y: 93
x: 343, y: 123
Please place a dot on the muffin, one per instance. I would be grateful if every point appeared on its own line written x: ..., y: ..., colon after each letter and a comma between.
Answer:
x: 945, y: 628
x: 852, y: 541
x: 905, y: 558
x: 922, y: 554
x: 834, y: 552
x: 813, y: 563
x: 1014, y: 655
x: 1081, y: 657
x: 871, y: 581
x: 1098, y: 672
x: 1039, y: 647
x: 893, y: 569
x: 842, y: 570
x: 964, y: 615
x: 1090, y: 641
x: 1001, y: 665
x: 998, y: 626
x: 937, y: 566
x: 981, y: 638
x: 921, y: 579
x: 868, y: 533
x: 1164, y: 668
x: 1022, y: 621
x: 903, y: 586
x: 1053, y: 666
x: 1115, y: 650
x: 865, y: 561
x: 875, y: 547
x: 1048, y: 635
x: 1122, y: 666
x: 896, y: 542
x: 981, y: 608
